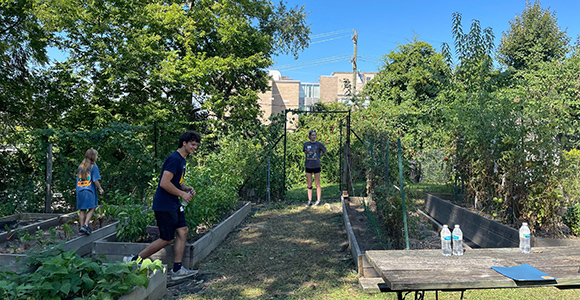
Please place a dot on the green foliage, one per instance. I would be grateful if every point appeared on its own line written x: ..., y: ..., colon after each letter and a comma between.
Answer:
x: 166, y: 56
x: 533, y: 37
x: 133, y: 221
x: 572, y: 218
x: 217, y: 177
x: 59, y: 274
x: 570, y: 180
x: 391, y: 212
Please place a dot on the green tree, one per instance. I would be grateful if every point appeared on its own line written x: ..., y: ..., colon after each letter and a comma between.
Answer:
x: 157, y: 60
x: 23, y: 44
x: 408, y: 87
x: 533, y: 37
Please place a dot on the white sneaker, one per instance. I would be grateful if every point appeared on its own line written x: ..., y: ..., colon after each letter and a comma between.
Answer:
x: 128, y: 259
x: 182, y: 273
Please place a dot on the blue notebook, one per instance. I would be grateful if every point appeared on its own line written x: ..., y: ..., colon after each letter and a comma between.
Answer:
x: 523, y: 272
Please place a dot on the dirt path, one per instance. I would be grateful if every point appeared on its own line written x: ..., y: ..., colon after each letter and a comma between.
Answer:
x: 278, y: 253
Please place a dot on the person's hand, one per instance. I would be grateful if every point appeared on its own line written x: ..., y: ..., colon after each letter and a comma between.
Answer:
x: 186, y: 195
x: 190, y: 190
x: 101, y: 191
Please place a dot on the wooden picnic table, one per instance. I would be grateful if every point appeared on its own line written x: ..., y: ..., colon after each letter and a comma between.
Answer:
x: 428, y: 270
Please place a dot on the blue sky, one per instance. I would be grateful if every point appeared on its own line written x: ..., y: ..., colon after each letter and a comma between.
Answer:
x: 383, y: 25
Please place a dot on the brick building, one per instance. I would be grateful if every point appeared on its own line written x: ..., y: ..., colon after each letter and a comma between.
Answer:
x: 286, y: 93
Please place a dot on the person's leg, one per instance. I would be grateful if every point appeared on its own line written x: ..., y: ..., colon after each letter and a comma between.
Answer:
x: 179, y: 272
x: 82, y: 218
x: 166, y: 222
x: 82, y: 214
x: 318, y: 188
x: 179, y: 246
x: 309, y: 187
x: 154, y: 247
x: 89, y: 216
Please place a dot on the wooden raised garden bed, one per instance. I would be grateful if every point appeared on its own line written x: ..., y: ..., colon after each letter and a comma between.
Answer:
x: 31, y: 223
x: 156, y: 289
x: 480, y: 230
x: 115, y: 251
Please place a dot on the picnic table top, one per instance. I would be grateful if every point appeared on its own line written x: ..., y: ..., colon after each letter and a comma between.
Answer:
x: 422, y: 270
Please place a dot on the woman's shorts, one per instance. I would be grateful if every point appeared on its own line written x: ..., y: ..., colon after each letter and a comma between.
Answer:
x: 313, y: 170
x: 168, y: 222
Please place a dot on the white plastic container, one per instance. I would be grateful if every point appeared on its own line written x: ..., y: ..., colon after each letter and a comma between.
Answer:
x: 446, y: 241
x: 457, y: 240
x: 525, y: 236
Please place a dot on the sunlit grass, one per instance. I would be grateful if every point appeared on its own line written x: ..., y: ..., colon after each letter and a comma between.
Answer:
x: 287, y: 251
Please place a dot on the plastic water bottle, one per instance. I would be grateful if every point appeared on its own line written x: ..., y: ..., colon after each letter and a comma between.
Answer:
x: 525, y: 238
x: 446, y: 241
x: 457, y: 240
x: 183, y: 202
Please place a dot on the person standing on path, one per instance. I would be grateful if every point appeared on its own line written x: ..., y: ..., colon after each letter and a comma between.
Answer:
x: 313, y: 151
x: 88, y: 177
x: 169, y: 212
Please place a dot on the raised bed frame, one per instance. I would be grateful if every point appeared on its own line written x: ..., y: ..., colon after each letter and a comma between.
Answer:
x: 480, y: 230
x: 114, y: 250
x: 368, y: 276
x: 82, y: 244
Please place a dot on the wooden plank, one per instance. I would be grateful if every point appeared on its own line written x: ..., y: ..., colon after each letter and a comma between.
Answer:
x: 352, y: 242
x: 408, y: 270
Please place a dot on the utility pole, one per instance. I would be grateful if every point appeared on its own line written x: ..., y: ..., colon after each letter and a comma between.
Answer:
x: 354, y: 64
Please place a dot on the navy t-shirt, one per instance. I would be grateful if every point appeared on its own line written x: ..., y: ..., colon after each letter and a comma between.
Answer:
x: 163, y: 200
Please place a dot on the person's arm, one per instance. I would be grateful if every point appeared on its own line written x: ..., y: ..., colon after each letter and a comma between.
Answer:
x: 323, y: 150
x: 166, y: 184
x: 98, y: 185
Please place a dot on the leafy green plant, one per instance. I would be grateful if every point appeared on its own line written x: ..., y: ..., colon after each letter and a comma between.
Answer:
x: 572, y: 218
x: 133, y: 221
x: 59, y: 274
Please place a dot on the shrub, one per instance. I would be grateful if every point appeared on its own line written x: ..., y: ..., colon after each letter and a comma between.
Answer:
x: 59, y: 274
x: 572, y: 219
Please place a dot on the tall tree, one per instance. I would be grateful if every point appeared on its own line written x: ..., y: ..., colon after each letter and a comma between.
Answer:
x: 409, y: 85
x: 155, y: 60
x: 533, y: 37
x: 23, y: 44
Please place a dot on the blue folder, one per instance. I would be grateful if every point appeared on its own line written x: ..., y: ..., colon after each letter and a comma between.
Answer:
x: 523, y: 272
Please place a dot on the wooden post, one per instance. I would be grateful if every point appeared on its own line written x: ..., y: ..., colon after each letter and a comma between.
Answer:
x: 48, y: 199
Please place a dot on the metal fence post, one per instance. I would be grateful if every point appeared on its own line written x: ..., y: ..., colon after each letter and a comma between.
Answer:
x: 403, y: 193
x: 48, y: 187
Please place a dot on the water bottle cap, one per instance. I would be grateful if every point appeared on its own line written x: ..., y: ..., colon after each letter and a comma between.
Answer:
x: 456, y: 225
x: 525, y: 224
x: 445, y: 226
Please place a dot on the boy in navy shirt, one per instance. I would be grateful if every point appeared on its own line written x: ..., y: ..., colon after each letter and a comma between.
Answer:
x: 168, y: 210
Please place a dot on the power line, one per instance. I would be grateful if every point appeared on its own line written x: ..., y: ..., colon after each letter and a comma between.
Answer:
x: 328, y: 40
x: 321, y: 35
x: 316, y: 62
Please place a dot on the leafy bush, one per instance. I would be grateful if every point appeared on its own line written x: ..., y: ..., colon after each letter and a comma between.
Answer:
x: 59, y: 274
x: 572, y: 219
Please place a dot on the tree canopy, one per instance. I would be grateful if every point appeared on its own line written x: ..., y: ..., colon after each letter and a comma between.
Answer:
x: 533, y: 37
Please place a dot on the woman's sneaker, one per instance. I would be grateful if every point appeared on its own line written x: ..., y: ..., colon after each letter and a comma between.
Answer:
x: 83, y: 230
x: 182, y: 273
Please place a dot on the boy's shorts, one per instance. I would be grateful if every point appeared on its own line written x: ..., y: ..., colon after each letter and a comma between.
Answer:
x: 168, y: 222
